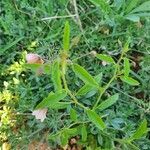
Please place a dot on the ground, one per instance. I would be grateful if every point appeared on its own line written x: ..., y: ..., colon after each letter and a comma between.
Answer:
x: 97, y: 27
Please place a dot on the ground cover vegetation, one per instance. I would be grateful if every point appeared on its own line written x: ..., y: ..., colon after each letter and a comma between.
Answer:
x: 75, y: 74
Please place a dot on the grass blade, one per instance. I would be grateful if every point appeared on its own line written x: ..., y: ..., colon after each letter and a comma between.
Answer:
x: 10, y: 45
x: 142, y: 8
x: 131, y: 5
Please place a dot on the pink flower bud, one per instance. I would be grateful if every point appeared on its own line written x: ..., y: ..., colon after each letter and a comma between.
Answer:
x: 34, y: 59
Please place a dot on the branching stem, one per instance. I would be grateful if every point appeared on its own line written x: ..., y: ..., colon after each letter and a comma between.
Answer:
x: 117, y: 68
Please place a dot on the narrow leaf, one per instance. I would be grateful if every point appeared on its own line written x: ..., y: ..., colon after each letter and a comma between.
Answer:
x: 46, y: 68
x: 133, y: 17
x: 105, y: 58
x: 33, y: 67
x: 126, y: 67
x: 84, y: 133
x: 129, y: 80
x: 84, y: 75
x: 142, y: 8
x: 131, y: 5
x: 64, y: 138
x: 96, y: 119
x: 126, y: 46
x: 109, y: 102
x: 72, y: 131
x: 130, y: 146
x: 73, y: 115
x: 9, y: 45
x: 56, y: 76
x: 59, y: 105
x: 52, y: 99
x: 66, y: 37
x: 141, y: 130
x: 87, y: 88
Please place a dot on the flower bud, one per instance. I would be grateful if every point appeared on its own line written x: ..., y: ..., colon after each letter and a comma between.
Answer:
x: 93, y: 53
x: 34, y: 59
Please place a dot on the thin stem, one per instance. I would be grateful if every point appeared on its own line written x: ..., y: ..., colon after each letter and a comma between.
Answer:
x: 105, y: 88
x: 70, y: 94
x: 58, y: 17
x: 81, y: 56
x: 111, y: 80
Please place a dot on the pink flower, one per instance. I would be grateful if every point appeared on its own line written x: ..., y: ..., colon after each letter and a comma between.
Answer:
x: 34, y: 59
x: 40, y: 114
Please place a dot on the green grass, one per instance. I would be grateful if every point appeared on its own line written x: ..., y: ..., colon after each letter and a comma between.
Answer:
x: 104, y: 29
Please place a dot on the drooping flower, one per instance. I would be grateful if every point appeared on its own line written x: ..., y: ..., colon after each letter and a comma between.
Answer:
x: 34, y: 59
x: 40, y: 114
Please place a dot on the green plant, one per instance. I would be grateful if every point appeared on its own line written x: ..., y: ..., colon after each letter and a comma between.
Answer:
x: 63, y: 97
x: 35, y: 27
x: 130, y: 11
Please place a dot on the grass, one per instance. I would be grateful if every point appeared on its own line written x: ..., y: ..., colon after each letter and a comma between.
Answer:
x: 25, y: 27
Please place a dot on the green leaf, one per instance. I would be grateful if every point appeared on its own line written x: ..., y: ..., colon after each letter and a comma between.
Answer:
x: 133, y: 17
x: 59, y: 105
x: 52, y: 99
x: 56, y: 76
x: 141, y: 130
x: 109, y: 102
x: 126, y: 67
x: 83, y: 133
x: 84, y: 75
x: 129, y: 80
x: 126, y: 45
x: 66, y: 37
x: 102, y: 4
x: 142, y: 8
x: 33, y: 67
x: 67, y: 133
x: 131, y: 5
x: 105, y: 58
x: 72, y: 131
x: 73, y: 115
x: 144, y: 14
x: 64, y: 138
x: 87, y: 88
x: 96, y: 119
x: 46, y: 68
x: 131, y: 146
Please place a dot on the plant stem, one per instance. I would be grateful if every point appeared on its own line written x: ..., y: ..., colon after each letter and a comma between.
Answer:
x: 111, y: 80
x: 70, y: 94
x: 105, y: 88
